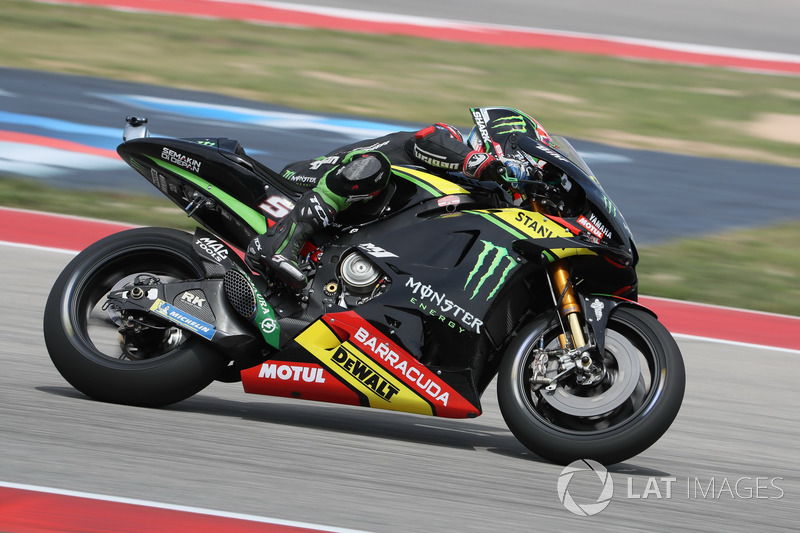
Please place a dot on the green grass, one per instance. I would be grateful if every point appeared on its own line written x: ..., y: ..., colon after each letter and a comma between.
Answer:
x: 754, y: 269
x: 692, y: 110
x: 135, y: 209
x: 675, y: 108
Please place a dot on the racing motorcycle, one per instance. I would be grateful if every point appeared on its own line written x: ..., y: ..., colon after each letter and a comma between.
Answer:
x: 416, y: 300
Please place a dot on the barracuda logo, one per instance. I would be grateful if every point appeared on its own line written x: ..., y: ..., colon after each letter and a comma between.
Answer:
x: 514, y: 124
x: 501, y: 260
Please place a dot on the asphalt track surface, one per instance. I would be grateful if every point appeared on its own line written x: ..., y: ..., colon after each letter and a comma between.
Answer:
x: 381, y: 471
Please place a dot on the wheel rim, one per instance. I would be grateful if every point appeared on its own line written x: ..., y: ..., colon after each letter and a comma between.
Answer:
x: 92, y: 324
x: 622, y: 374
x: 632, y: 382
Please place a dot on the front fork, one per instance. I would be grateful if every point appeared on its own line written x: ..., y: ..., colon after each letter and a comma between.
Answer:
x: 567, y: 302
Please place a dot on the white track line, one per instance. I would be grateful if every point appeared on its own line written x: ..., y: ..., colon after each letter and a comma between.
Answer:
x: 182, y: 508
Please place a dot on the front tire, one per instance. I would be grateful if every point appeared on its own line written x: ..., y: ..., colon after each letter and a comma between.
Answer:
x: 557, y: 431
x: 154, y: 368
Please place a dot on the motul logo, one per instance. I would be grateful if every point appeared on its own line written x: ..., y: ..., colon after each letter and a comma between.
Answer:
x: 292, y: 373
x: 594, y: 230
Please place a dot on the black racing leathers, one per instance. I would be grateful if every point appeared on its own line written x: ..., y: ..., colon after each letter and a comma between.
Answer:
x: 434, y: 148
x: 355, y: 172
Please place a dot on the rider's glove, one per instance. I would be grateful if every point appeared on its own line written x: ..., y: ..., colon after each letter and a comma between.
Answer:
x: 483, y: 166
x: 515, y: 171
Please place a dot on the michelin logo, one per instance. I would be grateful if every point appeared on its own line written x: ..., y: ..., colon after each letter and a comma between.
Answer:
x: 183, y: 319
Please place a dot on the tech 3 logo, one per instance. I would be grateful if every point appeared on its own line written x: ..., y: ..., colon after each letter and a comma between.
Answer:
x: 501, y: 262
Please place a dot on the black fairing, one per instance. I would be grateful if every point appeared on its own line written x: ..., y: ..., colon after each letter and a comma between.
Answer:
x: 457, y: 289
x: 183, y: 169
x: 459, y: 275
x: 597, y: 202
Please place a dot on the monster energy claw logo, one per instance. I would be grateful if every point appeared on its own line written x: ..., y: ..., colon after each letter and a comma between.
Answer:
x: 501, y: 259
x: 610, y: 207
x: 514, y: 123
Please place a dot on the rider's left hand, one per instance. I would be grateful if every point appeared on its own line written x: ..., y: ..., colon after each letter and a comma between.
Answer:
x: 513, y: 171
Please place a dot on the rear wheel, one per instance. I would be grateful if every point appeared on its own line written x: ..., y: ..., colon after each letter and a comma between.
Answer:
x: 151, y: 365
x: 610, y: 415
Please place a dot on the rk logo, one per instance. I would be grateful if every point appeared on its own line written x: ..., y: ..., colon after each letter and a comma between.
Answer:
x: 494, y: 263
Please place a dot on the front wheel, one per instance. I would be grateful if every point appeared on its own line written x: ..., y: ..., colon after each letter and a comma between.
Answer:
x: 151, y: 366
x: 621, y: 413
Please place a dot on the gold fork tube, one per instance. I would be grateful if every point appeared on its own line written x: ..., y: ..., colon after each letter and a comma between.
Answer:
x: 570, y: 309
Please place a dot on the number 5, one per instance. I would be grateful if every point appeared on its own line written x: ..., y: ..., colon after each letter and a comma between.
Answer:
x: 276, y: 206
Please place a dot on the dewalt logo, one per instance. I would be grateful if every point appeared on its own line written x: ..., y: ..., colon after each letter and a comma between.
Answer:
x: 491, y: 270
x: 512, y: 124
x: 364, y: 373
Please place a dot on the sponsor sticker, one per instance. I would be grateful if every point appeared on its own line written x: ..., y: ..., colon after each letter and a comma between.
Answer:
x: 491, y: 269
x: 510, y: 124
x: 448, y: 200
x: 193, y: 299
x: 292, y: 372
x: 214, y: 248
x: 183, y: 319
x: 268, y: 325
x: 442, y: 306
x: 586, y: 224
x: 365, y: 372
x: 417, y: 374
x: 594, y: 226
x: 376, y: 251
x: 180, y: 160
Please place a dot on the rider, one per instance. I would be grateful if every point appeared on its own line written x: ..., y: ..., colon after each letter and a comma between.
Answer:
x: 360, y: 171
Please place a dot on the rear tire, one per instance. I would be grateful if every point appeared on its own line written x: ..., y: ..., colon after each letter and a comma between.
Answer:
x: 169, y: 365
x: 626, y: 430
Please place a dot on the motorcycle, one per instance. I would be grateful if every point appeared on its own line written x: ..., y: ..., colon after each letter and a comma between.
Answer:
x: 416, y: 300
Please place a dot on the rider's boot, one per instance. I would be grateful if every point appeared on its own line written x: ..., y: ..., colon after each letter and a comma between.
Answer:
x: 280, y: 246
x: 361, y: 176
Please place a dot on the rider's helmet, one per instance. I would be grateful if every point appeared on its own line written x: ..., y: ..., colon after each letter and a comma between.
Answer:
x: 504, y: 126
x: 502, y: 123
